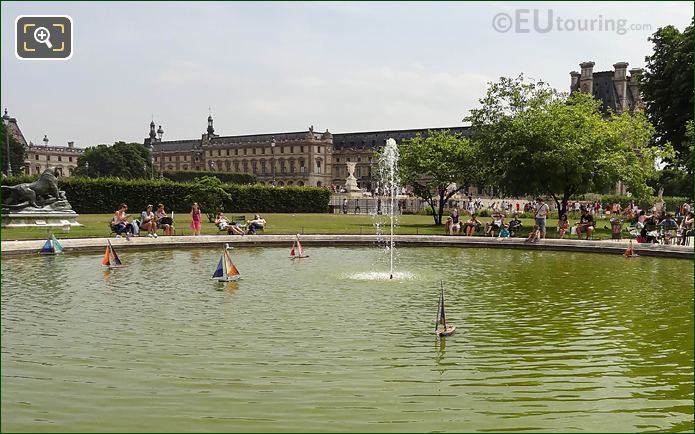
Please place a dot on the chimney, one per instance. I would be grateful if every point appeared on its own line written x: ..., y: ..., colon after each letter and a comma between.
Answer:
x: 586, y: 81
x: 71, y: 144
x: 633, y: 86
x: 620, y: 82
x: 574, y: 85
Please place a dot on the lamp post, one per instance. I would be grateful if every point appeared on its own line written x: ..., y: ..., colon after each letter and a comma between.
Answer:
x: 86, y: 168
x: 272, y: 153
x: 6, y: 121
x: 160, y: 133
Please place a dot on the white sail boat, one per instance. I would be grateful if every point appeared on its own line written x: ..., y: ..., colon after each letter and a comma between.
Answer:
x: 297, y: 250
x: 441, y: 329
x: 226, y: 270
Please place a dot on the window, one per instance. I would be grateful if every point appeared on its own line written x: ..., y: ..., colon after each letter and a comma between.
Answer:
x: 291, y: 151
x: 185, y: 167
x: 254, y: 151
x: 219, y: 152
x: 236, y: 166
x: 301, y: 149
x: 254, y: 166
x: 60, y: 158
x: 263, y: 151
x: 282, y: 149
x: 245, y: 151
x: 318, y: 149
x: 358, y: 172
x: 263, y: 167
x: 70, y: 160
x: 228, y: 152
x: 37, y: 156
x: 228, y: 165
x: 359, y: 159
x: 318, y: 166
x: 282, y: 166
x: 337, y: 160
x: 246, y: 166
x: 236, y: 152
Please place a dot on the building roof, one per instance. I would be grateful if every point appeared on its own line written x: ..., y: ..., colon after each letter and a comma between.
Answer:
x: 13, y: 128
x: 373, y: 139
x: 263, y: 138
x: 175, y: 145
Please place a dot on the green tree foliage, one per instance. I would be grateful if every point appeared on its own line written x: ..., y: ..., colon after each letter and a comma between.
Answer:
x: 210, y: 194
x: 437, y: 166
x: 667, y: 89
x: 121, y: 160
x: 17, y: 152
x: 536, y: 140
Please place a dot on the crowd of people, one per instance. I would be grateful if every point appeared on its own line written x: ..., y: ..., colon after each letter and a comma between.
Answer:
x: 648, y: 225
x: 149, y: 221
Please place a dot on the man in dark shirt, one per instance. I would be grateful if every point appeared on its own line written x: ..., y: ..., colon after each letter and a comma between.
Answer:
x: 586, y: 224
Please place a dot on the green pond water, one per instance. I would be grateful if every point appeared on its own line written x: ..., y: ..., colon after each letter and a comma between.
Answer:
x: 546, y: 341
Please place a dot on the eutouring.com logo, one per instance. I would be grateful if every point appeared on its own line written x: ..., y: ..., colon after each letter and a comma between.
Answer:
x: 546, y: 21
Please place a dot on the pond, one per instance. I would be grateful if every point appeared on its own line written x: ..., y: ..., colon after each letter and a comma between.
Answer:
x: 545, y: 341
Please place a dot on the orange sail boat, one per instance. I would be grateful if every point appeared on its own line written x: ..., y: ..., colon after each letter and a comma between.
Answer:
x: 297, y: 250
x: 111, y: 258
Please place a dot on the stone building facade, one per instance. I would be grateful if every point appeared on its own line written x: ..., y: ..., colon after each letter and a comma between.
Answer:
x: 618, y: 91
x: 63, y: 158
x: 40, y: 157
x: 303, y: 158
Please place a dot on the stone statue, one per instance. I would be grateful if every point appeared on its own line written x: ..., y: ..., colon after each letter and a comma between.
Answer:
x: 351, y: 181
x: 40, y: 195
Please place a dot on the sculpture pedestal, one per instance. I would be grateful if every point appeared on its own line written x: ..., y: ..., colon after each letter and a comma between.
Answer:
x: 37, y: 219
x: 351, y: 185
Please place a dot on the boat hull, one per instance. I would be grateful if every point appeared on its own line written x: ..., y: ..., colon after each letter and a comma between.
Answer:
x: 227, y: 279
x: 450, y: 330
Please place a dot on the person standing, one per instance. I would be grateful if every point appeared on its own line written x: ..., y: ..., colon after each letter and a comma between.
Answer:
x: 195, y: 219
x: 541, y: 215
x: 345, y: 206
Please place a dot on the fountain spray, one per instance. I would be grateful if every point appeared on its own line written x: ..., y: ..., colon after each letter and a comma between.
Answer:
x: 388, y: 167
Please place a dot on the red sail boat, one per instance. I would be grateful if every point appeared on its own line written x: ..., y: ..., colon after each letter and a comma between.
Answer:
x: 297, y: 250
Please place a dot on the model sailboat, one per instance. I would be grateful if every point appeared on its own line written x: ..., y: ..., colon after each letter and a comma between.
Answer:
x: 630, y: 251
x: 297, y: 250
x: 440, y: 327
x: 111, y: 258
x: 51, y: 247
x: 226, y: 270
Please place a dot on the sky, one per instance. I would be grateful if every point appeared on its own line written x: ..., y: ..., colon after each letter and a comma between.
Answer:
x: 281, y: 66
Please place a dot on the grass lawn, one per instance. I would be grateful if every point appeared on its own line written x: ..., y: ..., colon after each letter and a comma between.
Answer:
x: 96, y: 225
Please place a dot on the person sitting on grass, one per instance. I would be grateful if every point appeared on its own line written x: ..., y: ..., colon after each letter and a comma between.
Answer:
x: 504, y: 232
x: 585, y: 225
x: 562, y: 225
x: 223, y: 224
x: 472, y: 225
x: 496, y: 224
x: 515, y: 225
x: 535, y: 235
x: 454, y: 222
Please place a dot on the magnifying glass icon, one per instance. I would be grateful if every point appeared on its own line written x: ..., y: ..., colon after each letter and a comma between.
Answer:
x: 43, y: 36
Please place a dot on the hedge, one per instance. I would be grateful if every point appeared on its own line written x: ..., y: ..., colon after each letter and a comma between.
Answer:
x: 671, y: 203
x: 103, y: 195
x: 225, y: 177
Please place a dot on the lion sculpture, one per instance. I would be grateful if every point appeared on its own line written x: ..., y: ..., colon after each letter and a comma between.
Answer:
x: 41, y: 194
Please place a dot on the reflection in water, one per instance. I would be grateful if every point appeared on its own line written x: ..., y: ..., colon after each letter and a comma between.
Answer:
x: 541, y: 345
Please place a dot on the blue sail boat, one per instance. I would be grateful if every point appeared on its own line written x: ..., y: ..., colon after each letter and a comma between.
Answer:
x: 51, y: 247
x: 226, y: 270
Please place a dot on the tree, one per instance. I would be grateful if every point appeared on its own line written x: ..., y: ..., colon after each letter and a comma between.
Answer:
x: 17, y: 153
x: 122, y: 160
x: 667, y: 89
x: 536, y: 140
x: 210, y: 195
x: 438, y: 166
